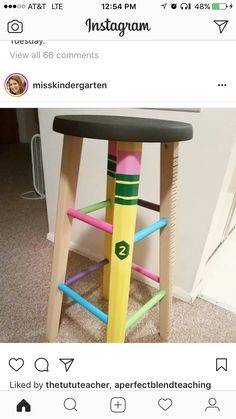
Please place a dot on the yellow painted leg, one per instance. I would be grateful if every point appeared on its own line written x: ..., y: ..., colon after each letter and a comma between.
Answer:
x: 67, y: 190
x: 169, y: 170
x: 124, y: 220
x: 111, y: 172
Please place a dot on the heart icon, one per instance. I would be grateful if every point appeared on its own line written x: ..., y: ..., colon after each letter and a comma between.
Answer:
x: 165, y: 404
x: 16, y: 363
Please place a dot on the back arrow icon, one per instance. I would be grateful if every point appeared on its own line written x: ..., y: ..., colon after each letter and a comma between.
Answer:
x: 221, y: 24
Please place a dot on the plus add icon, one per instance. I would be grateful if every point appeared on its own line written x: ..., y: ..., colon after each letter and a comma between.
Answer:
x: 118, y: 404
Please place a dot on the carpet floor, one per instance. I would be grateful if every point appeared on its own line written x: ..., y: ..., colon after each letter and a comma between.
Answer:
x: 25, y: 265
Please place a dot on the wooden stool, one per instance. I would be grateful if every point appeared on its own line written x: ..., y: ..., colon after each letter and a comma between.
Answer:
x: 125, y: 136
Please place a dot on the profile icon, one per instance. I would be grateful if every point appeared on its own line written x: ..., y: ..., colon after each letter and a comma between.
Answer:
x: 212, y: 405
x: 16, y: 85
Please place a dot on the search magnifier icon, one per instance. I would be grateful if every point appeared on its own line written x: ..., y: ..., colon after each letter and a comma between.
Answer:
x: 70, y: 404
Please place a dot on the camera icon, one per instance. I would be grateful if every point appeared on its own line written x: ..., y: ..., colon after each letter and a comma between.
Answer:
x: 15, y: 26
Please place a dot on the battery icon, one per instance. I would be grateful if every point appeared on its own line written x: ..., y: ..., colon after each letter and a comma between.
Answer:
x: 219, y: 6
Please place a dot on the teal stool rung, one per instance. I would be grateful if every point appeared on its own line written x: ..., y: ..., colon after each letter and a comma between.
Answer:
x: 150, y: 229
x: 84, y: 303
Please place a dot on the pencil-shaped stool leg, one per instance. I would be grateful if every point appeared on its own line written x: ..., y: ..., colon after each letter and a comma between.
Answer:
x: 124, y: 220
x: 71, y: 154
x: 111, y: 173
x: 168, y: 186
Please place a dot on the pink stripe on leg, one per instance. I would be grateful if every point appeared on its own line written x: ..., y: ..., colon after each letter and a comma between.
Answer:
x: 129, y: 162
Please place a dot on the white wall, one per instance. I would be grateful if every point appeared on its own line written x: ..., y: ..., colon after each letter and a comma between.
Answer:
x: 223, y: 206
x: 27, y: 123
x: 203, y: 163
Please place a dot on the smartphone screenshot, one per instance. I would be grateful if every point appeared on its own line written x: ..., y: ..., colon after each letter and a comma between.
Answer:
x: 117, y: 209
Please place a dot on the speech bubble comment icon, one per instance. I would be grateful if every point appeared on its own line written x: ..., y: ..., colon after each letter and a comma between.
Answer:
x: 41, y: 365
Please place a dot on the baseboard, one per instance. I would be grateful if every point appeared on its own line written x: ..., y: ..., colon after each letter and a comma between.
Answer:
x: 182, y: 295
x: 96, y: 257
x: 217, y: 303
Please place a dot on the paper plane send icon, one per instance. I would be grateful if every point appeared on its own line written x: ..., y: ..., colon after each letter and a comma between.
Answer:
x: 221, y: 24
x: 67, y: 362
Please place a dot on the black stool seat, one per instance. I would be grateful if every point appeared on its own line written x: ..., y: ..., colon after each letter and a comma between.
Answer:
x: 122, y: 128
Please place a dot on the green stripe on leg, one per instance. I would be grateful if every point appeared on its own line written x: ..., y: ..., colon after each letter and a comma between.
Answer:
x: 130, y: 178
x: 124, y: 189
x: 121, y: 201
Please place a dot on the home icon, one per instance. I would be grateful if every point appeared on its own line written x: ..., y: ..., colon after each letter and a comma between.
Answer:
x: 23, y: 406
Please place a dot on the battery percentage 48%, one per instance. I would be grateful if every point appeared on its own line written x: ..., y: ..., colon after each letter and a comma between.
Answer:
x: 203, y: 6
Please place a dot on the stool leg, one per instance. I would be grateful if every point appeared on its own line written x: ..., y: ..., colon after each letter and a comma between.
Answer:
x: 111, y: 174
x: 124, y: 220
x: 169, y: 169
x: 71, y: 154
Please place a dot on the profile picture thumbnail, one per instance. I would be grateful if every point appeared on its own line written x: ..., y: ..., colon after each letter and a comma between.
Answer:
x: 16, y: 84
